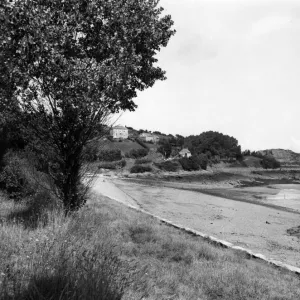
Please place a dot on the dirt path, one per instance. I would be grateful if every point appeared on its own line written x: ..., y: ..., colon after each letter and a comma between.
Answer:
x: 261, y: 229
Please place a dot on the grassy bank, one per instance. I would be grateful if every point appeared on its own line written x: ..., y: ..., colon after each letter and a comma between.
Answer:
x: 107, y: 251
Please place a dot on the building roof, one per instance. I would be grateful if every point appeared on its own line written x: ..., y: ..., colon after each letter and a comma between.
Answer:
x: 120, y: 127
x: 146, y: 134
x: 183, y: 151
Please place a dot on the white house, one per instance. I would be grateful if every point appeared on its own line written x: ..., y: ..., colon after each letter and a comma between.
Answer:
x: 119, y: 132
x: 149, y: 137
x: 185, y: 153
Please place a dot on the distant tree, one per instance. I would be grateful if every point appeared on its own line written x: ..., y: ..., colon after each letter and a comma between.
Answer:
x: 214, y: 142
x: 190, y: 164
x: 246, y: 153
x: 269, y: 162
x: 69, y: 64
x: 179, y: 140
x: 165, y: 148
x: 203, y: 161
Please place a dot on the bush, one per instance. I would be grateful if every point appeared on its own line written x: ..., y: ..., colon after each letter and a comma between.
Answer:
x: 137, y: 153
x: 140, y: 169
x: 203, y: 161
x: 112, y: 165
x: 142, y: 161
x: 110, y: 155
x: 269, y: 162
x: 37, y: 210
x: 16, y: 177
x: 190, y: 164
x: 170, y: 166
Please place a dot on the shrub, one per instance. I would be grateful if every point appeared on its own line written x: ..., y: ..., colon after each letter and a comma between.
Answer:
x: 16, y: 177
x: 170, y: 166
x: 110, y: 155
x: 190, y: 164
x: 269, y: 162
x: 137, y: 153
x: 37, y: 210
x: 112, y: 165
x: 203, y: 161
x: 140, y: 169
x: 142, y: 161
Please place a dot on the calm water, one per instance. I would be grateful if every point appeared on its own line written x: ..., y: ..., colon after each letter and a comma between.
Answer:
x: 288, y: 195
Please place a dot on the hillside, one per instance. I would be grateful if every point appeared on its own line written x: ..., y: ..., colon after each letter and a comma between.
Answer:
x: 287, y: 158
x: 125, y: 146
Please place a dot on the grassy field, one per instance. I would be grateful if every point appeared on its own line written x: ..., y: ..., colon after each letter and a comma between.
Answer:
x: 107, y: 251
x: 125, y: 146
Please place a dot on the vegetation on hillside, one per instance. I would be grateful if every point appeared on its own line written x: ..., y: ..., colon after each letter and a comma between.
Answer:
x: 267, y: 161
x: 213, y: 143
x: 140, y: 169
x: 137, y: 153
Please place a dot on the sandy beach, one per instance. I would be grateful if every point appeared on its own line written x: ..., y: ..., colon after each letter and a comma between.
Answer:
x: 255, y: 227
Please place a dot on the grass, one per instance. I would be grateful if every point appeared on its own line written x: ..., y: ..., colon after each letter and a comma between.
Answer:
x: 107, y: 251
x: 125, y: 146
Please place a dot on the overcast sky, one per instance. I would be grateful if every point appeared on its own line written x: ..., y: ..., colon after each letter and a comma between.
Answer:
x: 232, y: 67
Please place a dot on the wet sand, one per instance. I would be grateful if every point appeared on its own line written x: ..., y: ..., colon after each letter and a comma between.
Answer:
x: 258, y: 228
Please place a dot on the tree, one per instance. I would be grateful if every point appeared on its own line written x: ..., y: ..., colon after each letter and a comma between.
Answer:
x: 165, y: 148
x: 215, y: 143
x: 69, y: 64
x: 269, y: 162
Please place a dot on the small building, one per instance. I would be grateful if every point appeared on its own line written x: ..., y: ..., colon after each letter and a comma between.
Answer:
x: 119, y: 132
x: 185, y: 153
x: 149, y: 137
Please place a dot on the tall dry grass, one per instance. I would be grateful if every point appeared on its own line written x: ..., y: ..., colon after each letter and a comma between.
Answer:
x: 107, y: 251
x: 45, y: 255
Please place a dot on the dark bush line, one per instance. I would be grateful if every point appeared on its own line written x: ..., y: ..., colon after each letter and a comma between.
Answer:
x: 269, y: 162
x: 113, y: 165
x: 142, y: 161
x: 194, y: 163
x: 137, y: 153
x: 140, y: 169
x: 170, y: 166
x: 110, y: 155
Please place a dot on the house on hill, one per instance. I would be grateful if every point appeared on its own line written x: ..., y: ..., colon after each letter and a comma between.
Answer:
x: 119, y: 132
x: 185, y: 153
x: 149, y: 137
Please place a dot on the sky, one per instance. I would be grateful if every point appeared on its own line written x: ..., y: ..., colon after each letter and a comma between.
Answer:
x: 232, y: 67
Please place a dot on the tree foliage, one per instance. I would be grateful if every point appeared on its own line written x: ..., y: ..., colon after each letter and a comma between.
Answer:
x: 165, y: 148
x: 68, y: 64
x: 190, y: 163
x: 213, y: 144
x: 269, y: 162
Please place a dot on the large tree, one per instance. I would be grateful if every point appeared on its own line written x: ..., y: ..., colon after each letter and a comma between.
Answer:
x: 214, y: 143
x: 69, y: 64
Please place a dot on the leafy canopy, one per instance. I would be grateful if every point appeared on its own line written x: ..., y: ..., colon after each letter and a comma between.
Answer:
x: 66, y: 65
x: 214, y: 143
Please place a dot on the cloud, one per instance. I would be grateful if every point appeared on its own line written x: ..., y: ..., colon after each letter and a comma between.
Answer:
x: 269, y: 24
x: 197, y: 48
